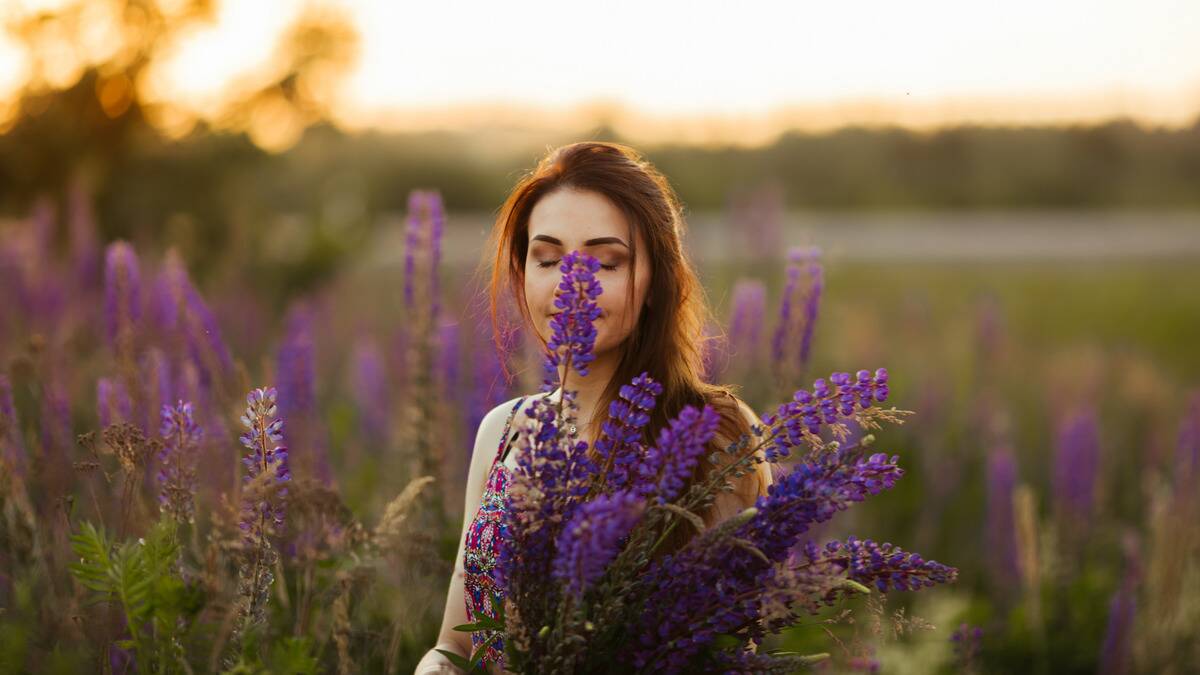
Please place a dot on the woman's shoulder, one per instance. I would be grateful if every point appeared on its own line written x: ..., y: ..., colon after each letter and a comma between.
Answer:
x: 507, y: 411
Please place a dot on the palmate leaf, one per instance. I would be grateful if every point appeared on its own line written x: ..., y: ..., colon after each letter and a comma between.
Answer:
x: 92, y: 547
x: 160, y: 548
x: 131, y: 582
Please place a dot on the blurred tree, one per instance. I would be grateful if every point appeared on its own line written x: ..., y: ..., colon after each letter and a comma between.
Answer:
x: 86, y: 116
x: 81, y: 109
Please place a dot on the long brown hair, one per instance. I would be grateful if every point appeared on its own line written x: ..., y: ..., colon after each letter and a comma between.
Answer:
x: 668, y: 339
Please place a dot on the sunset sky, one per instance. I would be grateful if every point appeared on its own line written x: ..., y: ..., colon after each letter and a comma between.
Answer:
x: 713, y: 68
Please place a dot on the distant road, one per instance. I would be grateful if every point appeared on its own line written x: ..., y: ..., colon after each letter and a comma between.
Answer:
x: 935, y: 236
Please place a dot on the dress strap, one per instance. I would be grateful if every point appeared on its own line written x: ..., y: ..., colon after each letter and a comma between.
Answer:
x: 504, y: 439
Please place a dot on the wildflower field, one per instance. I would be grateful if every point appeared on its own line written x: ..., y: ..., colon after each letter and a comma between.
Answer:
x: 203, y: 471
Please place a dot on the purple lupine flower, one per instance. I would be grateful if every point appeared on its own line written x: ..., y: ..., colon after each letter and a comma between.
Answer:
x: 813, y: 492
x: 369, y: 387
x: 619, y: 446
x: 295, y: 367
x: 812, y: 305
x: 112, y: 402
x: 177, y: 462
x: 534, y: 496
x: 1187, y: 451
x: 122, y: 292
x: 1076, y: 462
x: 1116, y: 652
x: 1001, y: 530
x: 262, y: 518
x: 573, y: 326
x: 295, y: 363
x: 553, y: 469
x: 967, y: 641
x: 792, y: 341
x: 179, y: 308
x: 426, y: 216
x: 746, y: 321
x: 713, y: 585
x: 12, y: 447
x: 667, y: 466
x: 830, y: 403
x: 592, y: 539
x: 885, y: 566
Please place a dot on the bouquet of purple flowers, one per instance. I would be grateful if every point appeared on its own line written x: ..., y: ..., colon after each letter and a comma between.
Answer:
x: 587, y: 587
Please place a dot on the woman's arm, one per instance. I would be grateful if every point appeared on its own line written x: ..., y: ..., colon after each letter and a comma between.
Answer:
x: 487, y: 440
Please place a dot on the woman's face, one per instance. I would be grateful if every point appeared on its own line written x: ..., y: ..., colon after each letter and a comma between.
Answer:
x: 567, y: 220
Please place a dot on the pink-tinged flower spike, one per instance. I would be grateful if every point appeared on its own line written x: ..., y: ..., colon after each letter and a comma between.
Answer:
x: 264, y: 494
x: 122, y: 295
x: 177, y: 462
x: 425, y: 225
x: 177, y: 307
x: 1117, y: 651
x: 1001, y: 529
x: 746, y: 322
x: 295, y: 366
x: 262, y: 518
x: 792, y: 342
x: 1076, y: 464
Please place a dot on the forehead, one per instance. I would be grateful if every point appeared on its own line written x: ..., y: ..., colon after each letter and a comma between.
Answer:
x: 573, y: 216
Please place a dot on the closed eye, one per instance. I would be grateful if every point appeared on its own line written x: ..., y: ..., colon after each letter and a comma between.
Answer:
x: 551, y: 263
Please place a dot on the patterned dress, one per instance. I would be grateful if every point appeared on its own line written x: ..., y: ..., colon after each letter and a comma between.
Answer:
x: 480, y: 549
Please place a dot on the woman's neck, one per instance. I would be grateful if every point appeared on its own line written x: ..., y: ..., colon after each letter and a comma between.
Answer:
x: 589, y: 389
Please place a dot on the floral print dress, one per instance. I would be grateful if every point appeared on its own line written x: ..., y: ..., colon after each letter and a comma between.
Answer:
x: 480, y: 550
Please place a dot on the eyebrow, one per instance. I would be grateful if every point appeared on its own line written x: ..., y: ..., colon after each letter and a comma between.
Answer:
x: 590, y: 242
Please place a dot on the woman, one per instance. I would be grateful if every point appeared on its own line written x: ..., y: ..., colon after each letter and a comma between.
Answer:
x: 605, y: 200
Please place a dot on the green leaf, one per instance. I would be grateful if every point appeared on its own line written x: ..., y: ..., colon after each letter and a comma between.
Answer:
x: 456, y: 659
x: 477, y: 657
x: 293, y: 655
x: 854, y: 585
x: 93, y: 570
